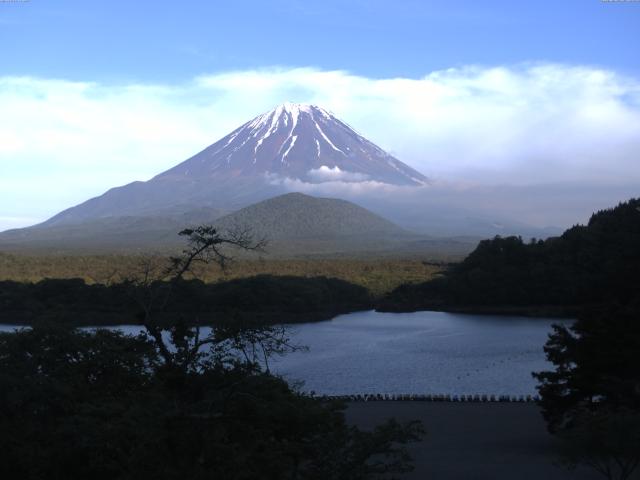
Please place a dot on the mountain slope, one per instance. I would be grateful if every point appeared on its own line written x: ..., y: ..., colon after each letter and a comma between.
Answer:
x: 293, y: 142
x: 298, y: 216
x: 295, y: 225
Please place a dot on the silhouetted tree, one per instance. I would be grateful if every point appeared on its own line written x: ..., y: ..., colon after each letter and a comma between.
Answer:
x: 604, y: 440
x: 77, y: 404
x: 180, y: 344
x: 592, y: 398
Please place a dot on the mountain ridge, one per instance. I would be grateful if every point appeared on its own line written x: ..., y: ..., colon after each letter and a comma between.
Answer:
x: 296, y: 226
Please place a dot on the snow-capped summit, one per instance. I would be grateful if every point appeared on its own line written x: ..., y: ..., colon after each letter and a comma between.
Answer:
x: 298, y: 141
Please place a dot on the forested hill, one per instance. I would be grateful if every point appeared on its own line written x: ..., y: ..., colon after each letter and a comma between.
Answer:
x: 295, y: 215
x: 586, y: 265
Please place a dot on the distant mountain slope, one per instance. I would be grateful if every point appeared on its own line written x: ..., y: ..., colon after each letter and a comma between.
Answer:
x: 293, y: 142
x: 296, y: 216
x: 295, y: 224
x: 121, y: 234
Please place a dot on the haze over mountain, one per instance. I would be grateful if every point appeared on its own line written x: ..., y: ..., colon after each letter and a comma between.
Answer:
x: 291, y: 142
x: 292, y: 147
x: 295, y: 225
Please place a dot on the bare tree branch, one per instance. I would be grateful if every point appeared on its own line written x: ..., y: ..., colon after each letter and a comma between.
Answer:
x: 153, y: 286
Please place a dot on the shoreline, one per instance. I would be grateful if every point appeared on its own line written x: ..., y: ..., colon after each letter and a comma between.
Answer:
x: 110, y: 319
x: 532, y: 311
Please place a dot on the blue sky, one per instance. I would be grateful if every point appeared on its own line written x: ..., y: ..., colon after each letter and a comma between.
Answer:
x: 98, y: 94
x: 122, y: 40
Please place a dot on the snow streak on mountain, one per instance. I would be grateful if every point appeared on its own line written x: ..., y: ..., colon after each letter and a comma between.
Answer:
x: 297, y: 141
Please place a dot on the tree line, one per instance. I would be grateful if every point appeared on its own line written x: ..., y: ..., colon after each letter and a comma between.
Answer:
x: 586, y: 266
x: 275, y: 299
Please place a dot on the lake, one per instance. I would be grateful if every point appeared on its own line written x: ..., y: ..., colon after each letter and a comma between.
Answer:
x: 420, y: 352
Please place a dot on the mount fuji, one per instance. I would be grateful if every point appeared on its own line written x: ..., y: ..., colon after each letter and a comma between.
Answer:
x: 293, y: 142
x: 246, y: 176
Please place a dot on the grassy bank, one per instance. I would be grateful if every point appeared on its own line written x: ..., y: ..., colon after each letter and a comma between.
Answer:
x: 377, y: 276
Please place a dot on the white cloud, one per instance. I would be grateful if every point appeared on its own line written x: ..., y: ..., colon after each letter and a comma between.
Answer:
x: 328, y: 174
x: 338, y: 187
x: 530, y: 123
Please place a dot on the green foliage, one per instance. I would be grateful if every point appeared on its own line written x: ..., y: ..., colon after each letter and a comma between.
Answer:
x: 274, y: 299
x: 595, y: 365
x: 299, y: 216
x: 65, y: 401
x: 591, y: 399
x: 296, y: 294
x: 587, y: 265
x: 78, y: 405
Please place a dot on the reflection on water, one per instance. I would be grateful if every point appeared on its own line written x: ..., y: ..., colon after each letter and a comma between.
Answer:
x: 421, y: 352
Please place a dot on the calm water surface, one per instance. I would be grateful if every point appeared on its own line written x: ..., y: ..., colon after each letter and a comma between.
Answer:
x: 421, y: 352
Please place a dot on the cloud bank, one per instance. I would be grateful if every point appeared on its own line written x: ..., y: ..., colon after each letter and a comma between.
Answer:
x: 64, y: 141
